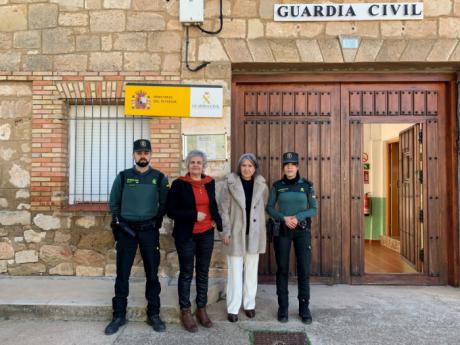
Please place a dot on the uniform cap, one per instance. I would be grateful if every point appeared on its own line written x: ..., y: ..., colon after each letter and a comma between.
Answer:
x: 142, y: 145
x: 290, y: 157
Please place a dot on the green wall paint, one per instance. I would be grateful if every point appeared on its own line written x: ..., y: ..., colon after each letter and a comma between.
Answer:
x: 374, y: 225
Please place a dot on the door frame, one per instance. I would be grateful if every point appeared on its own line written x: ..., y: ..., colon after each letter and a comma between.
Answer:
x: 447, y: 143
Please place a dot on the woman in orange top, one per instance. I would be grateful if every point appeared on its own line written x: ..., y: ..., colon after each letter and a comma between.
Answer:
x: 192, y: 205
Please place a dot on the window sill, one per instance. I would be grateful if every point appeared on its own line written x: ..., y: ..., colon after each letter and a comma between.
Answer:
x: 88, y: 207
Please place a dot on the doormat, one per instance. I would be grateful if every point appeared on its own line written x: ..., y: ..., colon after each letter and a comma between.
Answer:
x: 279, y: 338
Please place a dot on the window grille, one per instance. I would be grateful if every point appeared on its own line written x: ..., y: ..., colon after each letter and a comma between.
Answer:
x: 100, y: 145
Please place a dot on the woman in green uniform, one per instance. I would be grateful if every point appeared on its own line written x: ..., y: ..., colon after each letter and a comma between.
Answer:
x: 291, y: 204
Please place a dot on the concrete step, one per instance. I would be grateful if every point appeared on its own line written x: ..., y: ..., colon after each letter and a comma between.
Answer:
x: 87, y: 298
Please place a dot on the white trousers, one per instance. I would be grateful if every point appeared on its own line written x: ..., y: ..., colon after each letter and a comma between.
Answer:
x: 242, y: 282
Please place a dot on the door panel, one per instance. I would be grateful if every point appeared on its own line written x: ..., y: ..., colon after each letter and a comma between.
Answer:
x: 313, y: 174
x: 410, y: 194
x: 274, y: 119
x: 395, y: 100
x: 394, y: 191
x: 433, y: 199
x: 384, y: 102
x: 326, y: 191
x: 356, y: 202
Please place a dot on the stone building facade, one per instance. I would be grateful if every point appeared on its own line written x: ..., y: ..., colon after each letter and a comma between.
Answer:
x: 57, y: 50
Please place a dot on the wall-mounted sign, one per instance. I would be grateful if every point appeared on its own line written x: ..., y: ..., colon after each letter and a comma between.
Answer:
x: 214, y: 145
x: 366, y: 176
x: 344, y: 12
x: 173, y: 100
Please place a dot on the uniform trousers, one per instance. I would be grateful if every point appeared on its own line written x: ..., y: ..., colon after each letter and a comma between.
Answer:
x: 301, y: 238
x: 148, y: 242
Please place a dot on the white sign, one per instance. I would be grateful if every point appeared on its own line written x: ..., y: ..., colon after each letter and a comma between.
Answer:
x: 206, y: 101
x: 344, y: 12
x: 214, y: 145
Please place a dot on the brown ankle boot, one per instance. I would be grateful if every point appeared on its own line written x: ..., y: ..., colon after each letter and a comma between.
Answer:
x: 187, y: 320
x: 203, y: 317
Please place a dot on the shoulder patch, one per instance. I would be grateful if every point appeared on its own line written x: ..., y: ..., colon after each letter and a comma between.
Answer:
x: 307, y: 182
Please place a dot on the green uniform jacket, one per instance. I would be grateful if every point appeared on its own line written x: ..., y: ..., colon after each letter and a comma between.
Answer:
x: 142, y: 197
x: 296, y: 199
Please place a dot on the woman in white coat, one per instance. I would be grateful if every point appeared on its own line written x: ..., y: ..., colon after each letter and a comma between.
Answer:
x: 242, y: 208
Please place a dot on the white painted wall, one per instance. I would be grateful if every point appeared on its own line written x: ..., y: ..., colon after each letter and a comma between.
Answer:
x: 375, y: 136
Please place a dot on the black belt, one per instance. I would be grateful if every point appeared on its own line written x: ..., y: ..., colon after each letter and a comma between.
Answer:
x: 141, y: 226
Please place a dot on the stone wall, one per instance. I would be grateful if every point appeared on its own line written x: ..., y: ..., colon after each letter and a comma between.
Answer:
x: 39, y: 232
x: 52, y: 50
x: 145, y: 35
x: 15, y: 146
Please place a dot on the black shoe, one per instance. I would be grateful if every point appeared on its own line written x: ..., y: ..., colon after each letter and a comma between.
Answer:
x: 307, y: 319
x: 114, y: 325
x: 304, y: 312
x: 250, y: 313
x: 283, y: 315
x: 156, y: 323
x: 232, y: 317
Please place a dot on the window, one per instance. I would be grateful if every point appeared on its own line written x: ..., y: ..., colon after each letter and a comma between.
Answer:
x: 100, y: 145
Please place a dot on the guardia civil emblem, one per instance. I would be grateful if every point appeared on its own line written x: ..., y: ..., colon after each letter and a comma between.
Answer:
x: 140, y: 100
x: 207, y: 97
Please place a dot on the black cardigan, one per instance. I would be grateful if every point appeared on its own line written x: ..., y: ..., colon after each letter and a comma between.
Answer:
x: 181, y: 207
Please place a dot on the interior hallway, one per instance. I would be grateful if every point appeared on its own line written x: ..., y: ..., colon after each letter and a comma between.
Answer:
x: 379, y: 259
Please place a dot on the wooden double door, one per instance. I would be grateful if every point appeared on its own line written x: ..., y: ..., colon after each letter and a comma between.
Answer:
x: 323, y: 122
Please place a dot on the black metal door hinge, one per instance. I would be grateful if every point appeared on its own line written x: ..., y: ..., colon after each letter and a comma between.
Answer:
x: 420, y: 216
x: 420, y: 176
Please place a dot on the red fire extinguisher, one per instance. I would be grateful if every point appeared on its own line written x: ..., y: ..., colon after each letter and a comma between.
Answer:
x: 367, y: 204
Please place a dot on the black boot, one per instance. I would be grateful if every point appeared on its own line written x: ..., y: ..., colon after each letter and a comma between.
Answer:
x: 114, y: 325
x: 156, y: 323
x: 283, y: 314
x: 304, y: 311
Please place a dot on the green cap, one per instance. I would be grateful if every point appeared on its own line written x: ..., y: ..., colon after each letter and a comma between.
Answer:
x: 290, y: 157
x: 142, y: 145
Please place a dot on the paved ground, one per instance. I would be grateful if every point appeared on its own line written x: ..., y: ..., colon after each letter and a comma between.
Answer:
x: 343, y: 314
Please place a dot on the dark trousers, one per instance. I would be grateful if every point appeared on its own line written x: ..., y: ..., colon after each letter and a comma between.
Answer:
x: 148, y: 242
x: 302, y: 247
x: 196, y: 249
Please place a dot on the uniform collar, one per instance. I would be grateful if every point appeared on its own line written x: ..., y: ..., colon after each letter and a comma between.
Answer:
x: 293, y: 181
x: 137, y: 172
